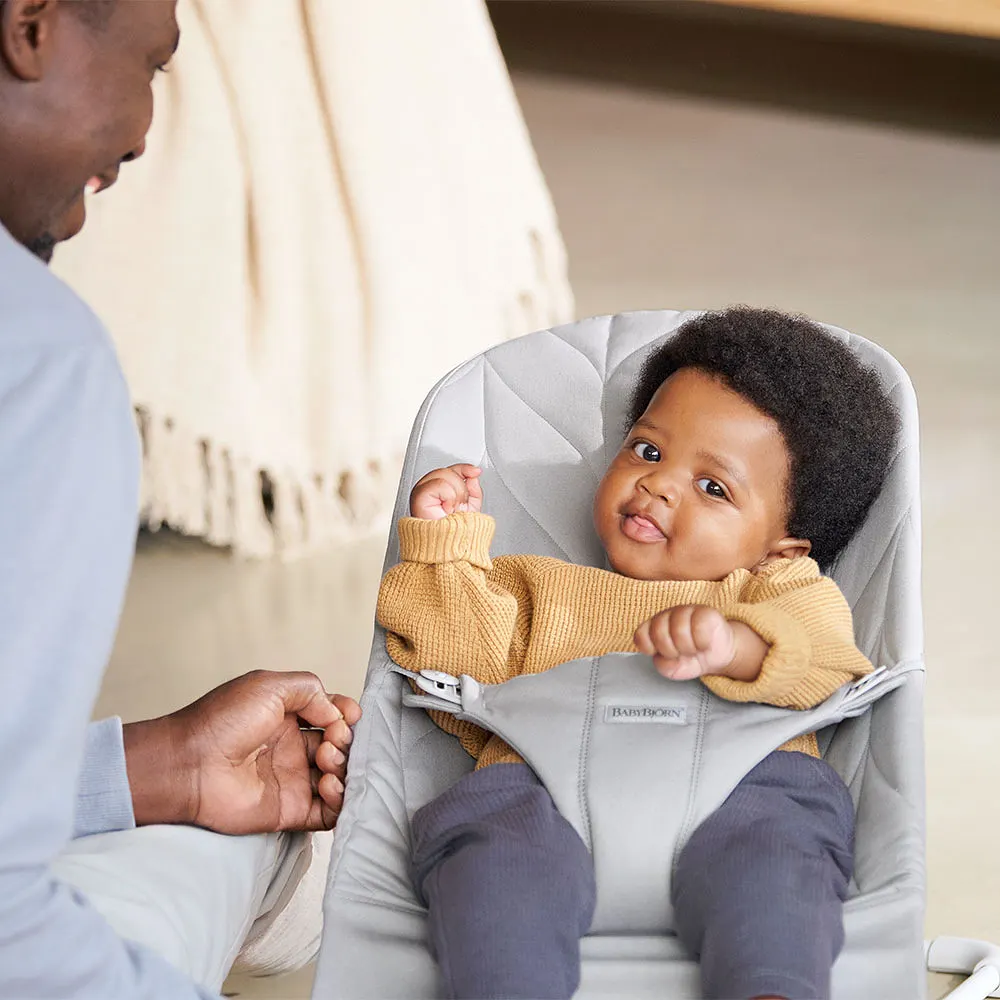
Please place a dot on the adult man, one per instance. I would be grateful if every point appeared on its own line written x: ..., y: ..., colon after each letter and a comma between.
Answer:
x: 75, y: 103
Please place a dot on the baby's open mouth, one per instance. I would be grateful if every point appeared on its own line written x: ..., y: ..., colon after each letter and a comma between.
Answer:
x: 640, y: 528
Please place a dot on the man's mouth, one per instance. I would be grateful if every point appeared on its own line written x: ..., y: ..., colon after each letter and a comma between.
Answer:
x: 101, y: 182
x: 640, y: 527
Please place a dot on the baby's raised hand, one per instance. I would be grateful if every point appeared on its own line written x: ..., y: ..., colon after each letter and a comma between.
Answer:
x: 688, y: 641
x: 445, y: 491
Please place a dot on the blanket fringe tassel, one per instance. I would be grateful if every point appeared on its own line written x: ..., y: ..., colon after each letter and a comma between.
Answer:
x: 200, y: 488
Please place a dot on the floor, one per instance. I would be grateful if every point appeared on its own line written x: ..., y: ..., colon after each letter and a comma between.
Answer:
x: 682, y: 180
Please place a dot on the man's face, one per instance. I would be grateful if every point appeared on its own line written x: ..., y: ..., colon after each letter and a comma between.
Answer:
x: 75, y: 103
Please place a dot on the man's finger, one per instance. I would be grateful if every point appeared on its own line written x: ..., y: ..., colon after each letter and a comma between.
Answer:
x: 331, y: 789
x: 331, y: 793
x: 311, y: 738
x: 321, y: 816
x: 339, y: 734
x: 303, y: 695
x: 349, y: 708
x: 331, y: 760
x: 328, y: 798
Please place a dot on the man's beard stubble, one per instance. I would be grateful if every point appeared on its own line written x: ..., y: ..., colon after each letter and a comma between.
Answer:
x: 43, y: 247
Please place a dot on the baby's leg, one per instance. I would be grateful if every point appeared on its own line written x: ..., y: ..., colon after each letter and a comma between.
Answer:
x: 509, y: 885
x: 760, y: 886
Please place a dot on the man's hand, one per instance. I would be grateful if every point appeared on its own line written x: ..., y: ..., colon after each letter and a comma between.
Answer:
x: 445, y: 491
x: 237, y: 760
x: 696, y: 641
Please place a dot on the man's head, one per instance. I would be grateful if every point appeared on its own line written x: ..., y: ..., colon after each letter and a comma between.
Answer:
x: 75, y: 103
x: 754, y: 436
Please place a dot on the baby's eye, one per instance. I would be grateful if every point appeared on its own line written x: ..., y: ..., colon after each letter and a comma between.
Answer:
x: 646, y: 451
x: 712, y: 488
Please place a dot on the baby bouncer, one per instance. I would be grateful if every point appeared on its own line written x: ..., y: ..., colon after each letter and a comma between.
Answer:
x: 543, y: 415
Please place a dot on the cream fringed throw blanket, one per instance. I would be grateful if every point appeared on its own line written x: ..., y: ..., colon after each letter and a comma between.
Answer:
x: 338, y: 202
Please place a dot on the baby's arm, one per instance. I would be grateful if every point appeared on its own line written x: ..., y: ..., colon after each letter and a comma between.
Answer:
x: 789, y: 642
x: 693, y: 640
x: 442, y: 606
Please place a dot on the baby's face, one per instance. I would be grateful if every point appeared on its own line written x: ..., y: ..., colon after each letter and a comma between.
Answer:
x: 698, y: 488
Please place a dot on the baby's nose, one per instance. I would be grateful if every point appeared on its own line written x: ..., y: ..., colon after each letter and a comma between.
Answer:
x: 663, y: 488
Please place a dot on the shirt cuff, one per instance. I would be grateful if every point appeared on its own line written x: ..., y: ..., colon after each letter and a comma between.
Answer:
x: 785, y: 679
x: 461, y: 537
x: 103, y: 795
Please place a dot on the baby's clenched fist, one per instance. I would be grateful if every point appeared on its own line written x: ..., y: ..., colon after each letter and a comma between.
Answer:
x: 688, y: 641
x: 447, y: 491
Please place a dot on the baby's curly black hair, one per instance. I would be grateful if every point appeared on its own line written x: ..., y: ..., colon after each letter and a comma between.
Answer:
x: 839, y: 425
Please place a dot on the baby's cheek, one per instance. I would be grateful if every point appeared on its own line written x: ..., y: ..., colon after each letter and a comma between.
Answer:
x: 599, y: 512
x: 607, y: 499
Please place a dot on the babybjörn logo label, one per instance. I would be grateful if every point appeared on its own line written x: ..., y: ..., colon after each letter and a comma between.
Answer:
x: 664, y: 715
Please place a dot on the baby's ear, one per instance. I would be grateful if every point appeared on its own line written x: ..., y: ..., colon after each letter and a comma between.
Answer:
x: 786, y: 548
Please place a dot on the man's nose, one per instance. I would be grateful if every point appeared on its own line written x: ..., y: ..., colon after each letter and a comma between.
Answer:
x: 135, y: 153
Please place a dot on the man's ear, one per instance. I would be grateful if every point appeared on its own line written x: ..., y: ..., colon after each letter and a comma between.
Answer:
x: 786, y: 548
x: 26, y: 28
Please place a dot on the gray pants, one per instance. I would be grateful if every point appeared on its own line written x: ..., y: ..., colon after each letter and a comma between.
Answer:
x: 758, y: 891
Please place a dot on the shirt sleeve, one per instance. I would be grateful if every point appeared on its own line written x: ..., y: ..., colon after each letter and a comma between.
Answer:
x: 445, y: 607
x: 807, y: 623
x: 441, y: 606
x: 69, y: 464
x: 103, y: 796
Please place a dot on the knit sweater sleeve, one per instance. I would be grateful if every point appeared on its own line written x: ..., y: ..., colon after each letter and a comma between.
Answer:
x: 807, y: 622
x: 442, y: 606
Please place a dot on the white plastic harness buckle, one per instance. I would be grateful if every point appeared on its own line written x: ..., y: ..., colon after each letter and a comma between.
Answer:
x: 441, y: 685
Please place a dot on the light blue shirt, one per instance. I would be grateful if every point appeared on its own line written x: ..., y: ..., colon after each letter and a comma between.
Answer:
x: 69, y: 477
x: 103, y: 796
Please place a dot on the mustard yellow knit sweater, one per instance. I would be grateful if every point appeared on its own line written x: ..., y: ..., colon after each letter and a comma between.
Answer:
x: 448, y: 606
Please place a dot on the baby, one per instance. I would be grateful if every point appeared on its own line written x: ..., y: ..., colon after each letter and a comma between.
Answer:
x: 757, y: 444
